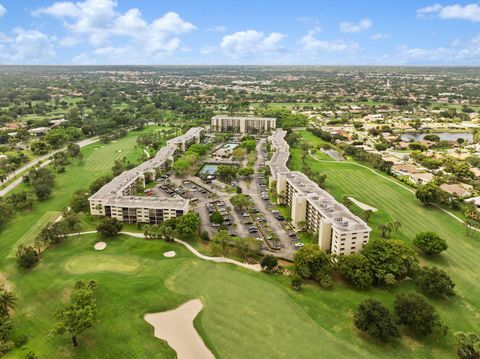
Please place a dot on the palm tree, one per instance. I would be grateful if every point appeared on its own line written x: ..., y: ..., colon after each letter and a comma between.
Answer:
x: 367, y: 214
x: 383, y: 228
x: 7, y: 301
x: 396, y: 225
x: 168, y: 233
x: 347, y: 202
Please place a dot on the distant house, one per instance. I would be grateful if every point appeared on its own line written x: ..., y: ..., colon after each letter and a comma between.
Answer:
x: 392, y: 159
x: 421, y: 178
x: 402, y: 145
x: 39, y: 131
x: 457, y: 189
x: 57, y: 121
x: 404, y: 169
x: 474, y: 200
x: 475, y: 171
x: 375, y: 117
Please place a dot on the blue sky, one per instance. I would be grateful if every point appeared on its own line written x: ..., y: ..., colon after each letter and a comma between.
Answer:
x: 326, y: 32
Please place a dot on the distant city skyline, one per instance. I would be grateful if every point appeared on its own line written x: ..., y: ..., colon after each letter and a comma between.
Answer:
x: 265, y: 32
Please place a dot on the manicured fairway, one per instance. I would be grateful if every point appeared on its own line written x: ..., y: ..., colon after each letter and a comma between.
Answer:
x: 32, y: 232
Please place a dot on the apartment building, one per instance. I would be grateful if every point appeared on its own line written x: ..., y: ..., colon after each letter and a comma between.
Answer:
x: 243, y: 124
x: 193, y: 135
x: 313, y: 208
x: 117, y: 199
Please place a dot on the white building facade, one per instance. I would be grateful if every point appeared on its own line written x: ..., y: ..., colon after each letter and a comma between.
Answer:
x: 314, y: 209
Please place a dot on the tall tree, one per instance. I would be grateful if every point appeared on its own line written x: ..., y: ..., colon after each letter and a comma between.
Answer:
x: 79, y: 314
x: 376, y: 320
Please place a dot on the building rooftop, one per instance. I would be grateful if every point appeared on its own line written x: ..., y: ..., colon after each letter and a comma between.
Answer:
x: 278, y: 162
x: 340, y: 216
x: 187, y: 136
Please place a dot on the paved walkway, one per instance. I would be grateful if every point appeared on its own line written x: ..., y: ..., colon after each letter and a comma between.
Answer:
x: 254, y: 267
x: 45, y: 158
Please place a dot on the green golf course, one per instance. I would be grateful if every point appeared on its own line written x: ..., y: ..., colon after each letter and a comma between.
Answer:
x: 246, y: 314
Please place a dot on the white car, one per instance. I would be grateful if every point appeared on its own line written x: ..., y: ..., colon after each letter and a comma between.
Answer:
x: 299, y: 244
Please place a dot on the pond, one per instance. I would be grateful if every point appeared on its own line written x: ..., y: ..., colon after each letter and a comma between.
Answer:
x: 230, y: 146
x: 209, y: 169
x: 447, y: 136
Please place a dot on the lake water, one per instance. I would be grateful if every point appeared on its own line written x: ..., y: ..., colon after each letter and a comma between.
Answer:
x: 447, y: 136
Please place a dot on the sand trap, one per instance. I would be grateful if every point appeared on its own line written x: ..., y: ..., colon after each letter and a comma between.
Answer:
x: 362, y: 205
x: 176, y: 328
x: 170, y: 254
x: 100, y: 246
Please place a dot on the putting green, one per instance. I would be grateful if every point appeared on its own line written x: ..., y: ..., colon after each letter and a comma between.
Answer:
x: 102, y: 263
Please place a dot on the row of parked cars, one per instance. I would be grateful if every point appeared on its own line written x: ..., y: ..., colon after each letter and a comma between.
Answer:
x: 221, y: 207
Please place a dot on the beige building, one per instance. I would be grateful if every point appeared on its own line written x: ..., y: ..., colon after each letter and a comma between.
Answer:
x: 193, y: 135
x: 313, y: 208
x: 117, y: 199
x: 243, y: 124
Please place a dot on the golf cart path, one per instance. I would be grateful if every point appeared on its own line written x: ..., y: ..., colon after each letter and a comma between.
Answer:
x: 254, y: 267
x: 393, y: 181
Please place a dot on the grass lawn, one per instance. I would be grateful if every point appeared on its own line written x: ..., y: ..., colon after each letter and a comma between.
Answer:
x: 33, y: 231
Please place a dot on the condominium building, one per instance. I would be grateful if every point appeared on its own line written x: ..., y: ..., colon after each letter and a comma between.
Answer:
x: 117, y: 199
x: 193, y: 135
x: 313, y: 208
x: 243, y: 124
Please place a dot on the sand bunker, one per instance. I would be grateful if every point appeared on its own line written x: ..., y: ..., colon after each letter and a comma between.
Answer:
x: 362, y: 205
x: 176, y: 328
x: 170, y: 254
x: 100, y: 246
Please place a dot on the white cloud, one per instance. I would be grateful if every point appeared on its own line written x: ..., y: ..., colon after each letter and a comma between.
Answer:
x: 251, y: 42
x: 3, y: 11
x: 380, y: 36
x: 26, y: 47
x: 68, y: 41
x: 355, y: 27
x: 115, y: 35
x: 310, y: 43
x: 470, y: 12
x: 460, y: 52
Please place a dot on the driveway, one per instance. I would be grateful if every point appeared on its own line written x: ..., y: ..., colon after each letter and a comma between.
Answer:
x: 253, y: 189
